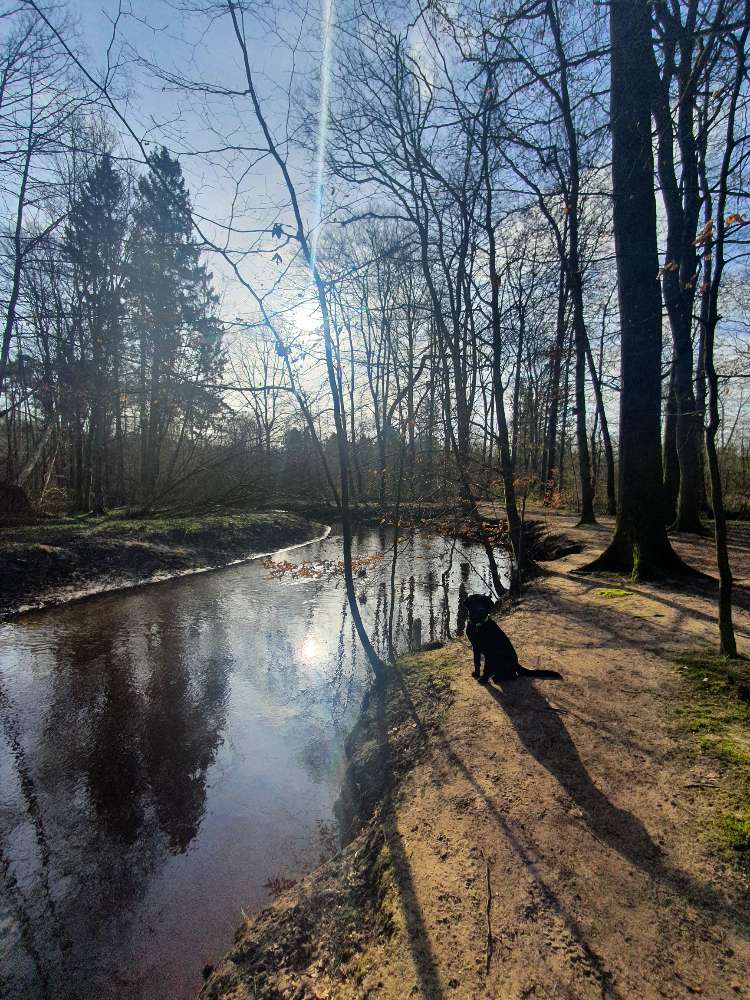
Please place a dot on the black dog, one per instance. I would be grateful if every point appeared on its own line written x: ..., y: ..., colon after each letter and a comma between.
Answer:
x: 488, y: 640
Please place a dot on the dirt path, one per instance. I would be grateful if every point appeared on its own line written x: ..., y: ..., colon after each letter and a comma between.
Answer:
x: 568, y: 807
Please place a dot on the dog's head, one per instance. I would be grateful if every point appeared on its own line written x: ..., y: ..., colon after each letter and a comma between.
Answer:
x: 478, y: 606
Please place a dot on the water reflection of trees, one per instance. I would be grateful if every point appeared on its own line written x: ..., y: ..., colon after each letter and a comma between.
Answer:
x: 183, y: 723
x: 121, y: 748
x: 429, y: 586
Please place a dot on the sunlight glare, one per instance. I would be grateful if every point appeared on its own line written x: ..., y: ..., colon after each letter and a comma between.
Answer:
x: 306, y: 318
x: 311, y: 649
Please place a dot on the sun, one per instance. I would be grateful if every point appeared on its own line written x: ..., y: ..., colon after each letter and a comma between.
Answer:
x: 306, y: 317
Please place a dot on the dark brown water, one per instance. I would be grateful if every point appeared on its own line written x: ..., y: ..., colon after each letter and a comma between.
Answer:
x: 165, y: 752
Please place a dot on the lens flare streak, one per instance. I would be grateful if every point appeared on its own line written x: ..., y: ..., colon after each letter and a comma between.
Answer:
x: 327, y: 13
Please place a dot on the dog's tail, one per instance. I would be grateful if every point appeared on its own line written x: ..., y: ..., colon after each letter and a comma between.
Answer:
x: 551, y: 675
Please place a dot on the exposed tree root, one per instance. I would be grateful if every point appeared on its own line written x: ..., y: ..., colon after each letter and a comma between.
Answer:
x: 624, y: 557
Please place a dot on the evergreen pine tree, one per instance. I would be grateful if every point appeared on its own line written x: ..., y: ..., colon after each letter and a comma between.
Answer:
x: 173, y: 315
x: 95, y: 236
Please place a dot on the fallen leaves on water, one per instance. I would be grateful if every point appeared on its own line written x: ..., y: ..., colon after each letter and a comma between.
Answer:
x: 316, y: 569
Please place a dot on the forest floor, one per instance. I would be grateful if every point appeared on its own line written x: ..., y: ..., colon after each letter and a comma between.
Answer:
x: 58, y: 560
x: 542, y: 839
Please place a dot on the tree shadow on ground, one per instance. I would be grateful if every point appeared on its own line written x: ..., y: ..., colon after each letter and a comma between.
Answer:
x: 422, y: 952
x: 544, y: 736
x: 616, y: 623
x: 541, y: 731
x: 419, y: 940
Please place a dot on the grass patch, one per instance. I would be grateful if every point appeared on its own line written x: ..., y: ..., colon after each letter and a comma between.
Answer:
x: 120, y: 523
x: 612, y: 593
x: 123, y: 547
x: 734, y: 829
x: 716, y: 714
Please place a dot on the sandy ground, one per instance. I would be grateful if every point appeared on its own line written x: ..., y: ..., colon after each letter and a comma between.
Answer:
x: 544, y: 846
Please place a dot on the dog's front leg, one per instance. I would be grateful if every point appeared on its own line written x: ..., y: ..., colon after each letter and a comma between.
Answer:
x: 477, y: 660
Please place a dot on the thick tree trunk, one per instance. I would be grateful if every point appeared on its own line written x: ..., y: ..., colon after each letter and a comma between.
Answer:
x: 682, y: 204
x: 640, y: 544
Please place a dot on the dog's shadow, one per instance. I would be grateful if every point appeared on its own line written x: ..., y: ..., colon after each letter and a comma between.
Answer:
x: 543, y: 734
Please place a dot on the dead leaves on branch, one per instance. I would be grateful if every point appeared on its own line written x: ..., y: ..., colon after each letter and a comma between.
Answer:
x: 706, y: 234
x: 704, y: 240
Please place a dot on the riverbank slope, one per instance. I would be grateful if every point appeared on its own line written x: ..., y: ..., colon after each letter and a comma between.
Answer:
x: 543, y: 839
x: 54, y: 561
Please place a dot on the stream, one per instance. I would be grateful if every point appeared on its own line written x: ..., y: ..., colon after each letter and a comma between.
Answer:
x: 169, y: 753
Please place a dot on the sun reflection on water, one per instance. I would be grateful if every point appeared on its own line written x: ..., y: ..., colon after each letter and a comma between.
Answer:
x: 311, y: 649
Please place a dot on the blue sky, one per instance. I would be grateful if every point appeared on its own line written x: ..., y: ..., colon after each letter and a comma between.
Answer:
x: 157, y: 40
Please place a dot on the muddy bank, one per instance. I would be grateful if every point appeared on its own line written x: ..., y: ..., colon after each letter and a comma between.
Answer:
x: 52, y: 562
x: 533, y: 840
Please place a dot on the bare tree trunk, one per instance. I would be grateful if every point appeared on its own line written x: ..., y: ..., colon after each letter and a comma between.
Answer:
x: 516, y: 406
x: 608, y: 452
x: 575, y: 277
x: 566, y: 407
x: 584, y: 459
x: 506, y: 461
x: 640, y: 545
x: 549, y: 466
x: 671, y: 460
x: 728, y: 643
x: 682, y: 203
x: 18, y: 254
